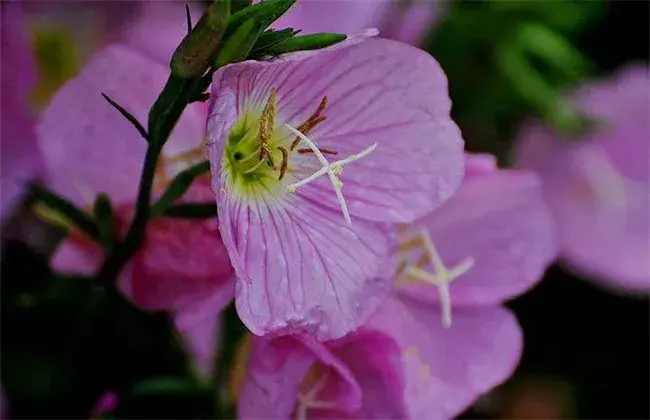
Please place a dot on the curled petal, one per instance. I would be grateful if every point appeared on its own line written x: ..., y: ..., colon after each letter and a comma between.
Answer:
x: 279, y: 369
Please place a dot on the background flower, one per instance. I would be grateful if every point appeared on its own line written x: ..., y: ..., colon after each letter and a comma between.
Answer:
x: 597, y: 184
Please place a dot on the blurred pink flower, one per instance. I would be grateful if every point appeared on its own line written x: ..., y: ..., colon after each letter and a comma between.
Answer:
x: 301, y: 267
x: 402, y: 364
x: 19, y: 154
x: 598, y: 185
x: 107, y: 402
x: 90, y: 148
x: 490, y: 241
x: 401, y: 20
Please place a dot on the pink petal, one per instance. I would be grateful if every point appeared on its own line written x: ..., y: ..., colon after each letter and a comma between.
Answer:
x: 448, y: 369
x: 301, y: 269
x: 181, y: 263
x: 375, y: 360
x: 378, y: 91
x: 399, y: 20
x: 275, y: 371
x: 479, y: 164
x: 19, y: 154
x: 500, y: 221
x: 76, y: 257
x: 598, y: 186
x: 411, y: 20
x: 199, y: 325
x: 88, y: 146
x: 344, y: 16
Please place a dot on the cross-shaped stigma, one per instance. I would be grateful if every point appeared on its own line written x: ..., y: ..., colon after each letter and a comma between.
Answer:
x: 441, y: 277
x: 333, y: 170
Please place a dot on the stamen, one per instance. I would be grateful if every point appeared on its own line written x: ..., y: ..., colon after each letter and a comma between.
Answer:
x: 322, y: 149
x: 442, y: 276
x: 315, y: 119
x: 285, y: 161
x: 332, y: 170
x: 267, y: 125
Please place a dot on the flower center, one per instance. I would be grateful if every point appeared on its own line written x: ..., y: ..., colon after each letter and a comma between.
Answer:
x: 441, y: 277
x: 262, y: 156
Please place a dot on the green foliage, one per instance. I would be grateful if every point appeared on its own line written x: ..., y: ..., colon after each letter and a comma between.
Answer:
x: 508, y: 59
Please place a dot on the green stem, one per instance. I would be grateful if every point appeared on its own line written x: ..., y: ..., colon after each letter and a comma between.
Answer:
x: 116, y: 260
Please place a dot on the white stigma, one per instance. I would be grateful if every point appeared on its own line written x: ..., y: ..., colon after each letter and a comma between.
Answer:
x: 333, y: 171
x: 442, y: 276
x: 307, y: 401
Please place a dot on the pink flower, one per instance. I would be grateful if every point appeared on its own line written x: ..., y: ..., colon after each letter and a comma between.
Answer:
x: 90, y: 148
x: 489, y: 242
x: 402, y: 364
x: 408, y: 361
x: 20, y: 158
x: 311, y: 256
x: 598, y: 185
x: 402, y: 20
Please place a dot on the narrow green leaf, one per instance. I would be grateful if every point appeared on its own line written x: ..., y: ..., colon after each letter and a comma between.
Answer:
x: 66, y: 209
x: 237, y: 46
x: 178, y: 187
x: 270, y: 37
x: 128, y: 116
x: 265, y: 12
x: 306, y: 42
x: 105, y: 219
x: 237, y: 5
x: 188, y: 18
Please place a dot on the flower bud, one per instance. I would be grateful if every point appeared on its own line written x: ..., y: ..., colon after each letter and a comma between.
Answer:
x: 193, y: 55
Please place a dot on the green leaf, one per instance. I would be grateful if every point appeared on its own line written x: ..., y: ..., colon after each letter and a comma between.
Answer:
x: 265, y: 12
x: 105, y: 219
x: 552, y: 47
x: 237, y: 46
x: 306, y: 42
x: 66, y: 209
x: 237, y: 5
x: 271, y: 37
x: 133, y: 120
x: 178, y: 187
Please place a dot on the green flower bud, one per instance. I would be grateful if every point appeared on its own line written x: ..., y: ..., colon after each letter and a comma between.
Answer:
x: 193, y: 56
